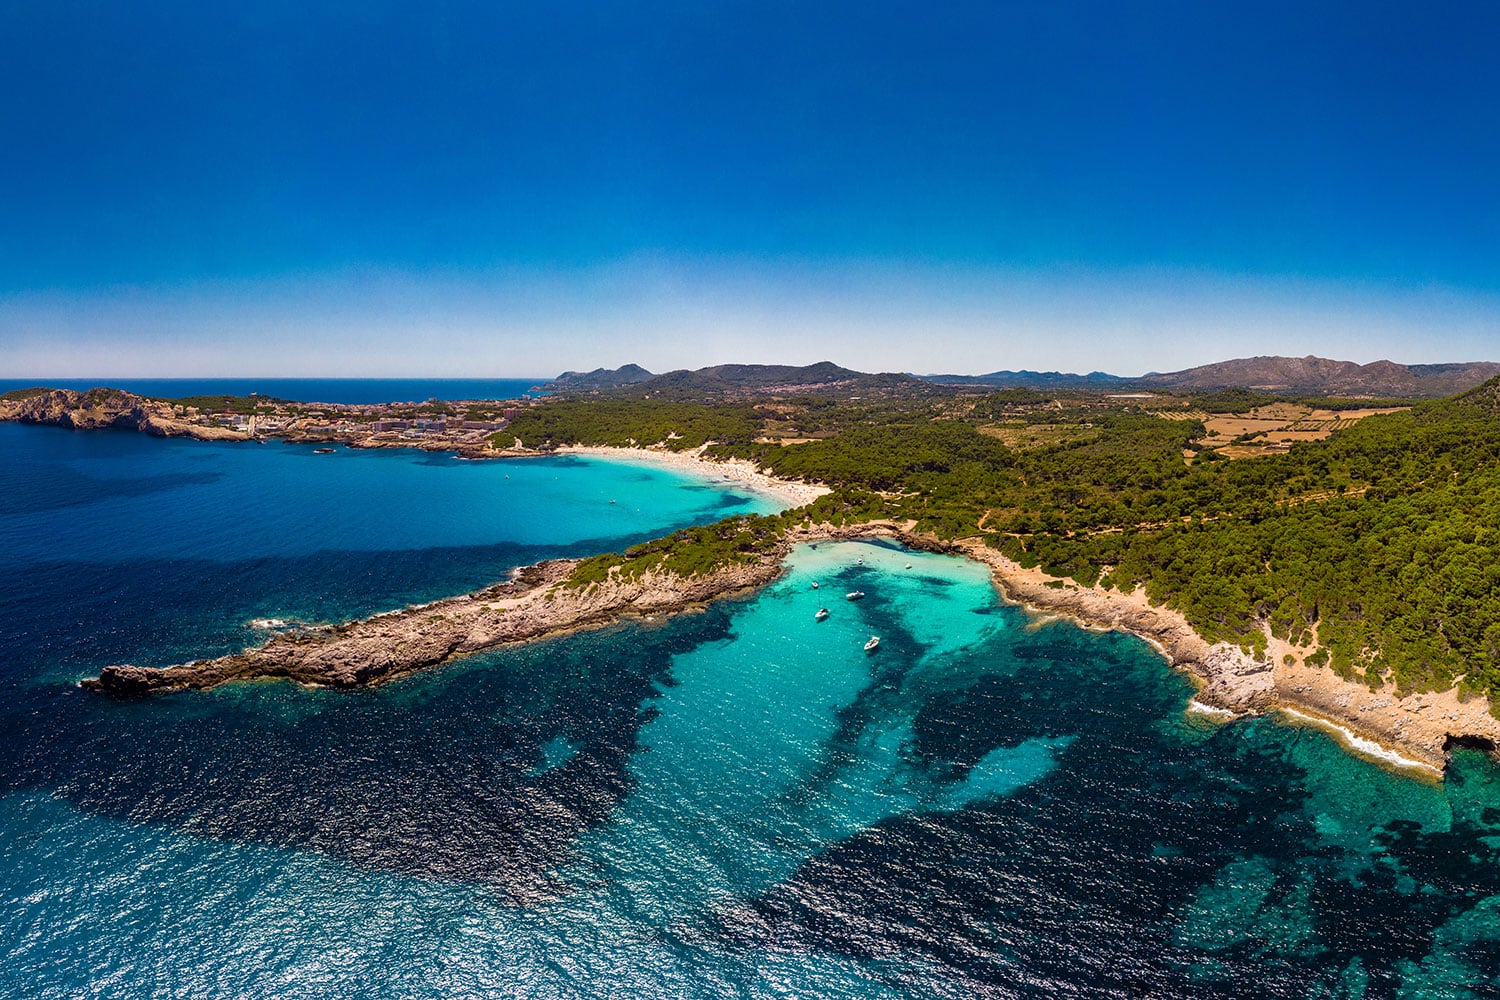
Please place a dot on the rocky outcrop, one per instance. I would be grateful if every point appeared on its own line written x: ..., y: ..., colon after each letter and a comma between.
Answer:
x: 537, y: 602
x: 1232, y: 679
x: 1403, y: 729
x: 97, y: 409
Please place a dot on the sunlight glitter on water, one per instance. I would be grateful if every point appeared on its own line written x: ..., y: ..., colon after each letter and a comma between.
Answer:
x: 739, y: 801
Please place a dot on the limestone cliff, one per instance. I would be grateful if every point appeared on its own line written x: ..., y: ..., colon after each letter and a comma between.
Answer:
x: 103, y: 408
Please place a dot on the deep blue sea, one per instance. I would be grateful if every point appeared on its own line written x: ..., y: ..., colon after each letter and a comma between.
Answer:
x: 735, y: 803
x: 310, y: 390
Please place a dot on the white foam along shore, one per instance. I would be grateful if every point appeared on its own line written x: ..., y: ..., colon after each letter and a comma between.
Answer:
x: 1411, y: 732
x: 1360, y: 746
x: 1197, y: 707
x: 739, y: 472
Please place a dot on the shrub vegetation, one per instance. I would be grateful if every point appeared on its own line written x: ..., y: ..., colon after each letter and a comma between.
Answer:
x: 1382, y: 542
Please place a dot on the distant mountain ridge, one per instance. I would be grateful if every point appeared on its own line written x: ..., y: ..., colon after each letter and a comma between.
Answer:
x: 731, y: 380
x: 1026, y: 379
x: 1314, y: 375
x: 1309, y: 376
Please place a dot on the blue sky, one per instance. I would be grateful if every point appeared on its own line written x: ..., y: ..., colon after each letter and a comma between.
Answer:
x: 431, y: 189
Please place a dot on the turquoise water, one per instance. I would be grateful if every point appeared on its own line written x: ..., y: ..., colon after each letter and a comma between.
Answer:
x: 739, y: 802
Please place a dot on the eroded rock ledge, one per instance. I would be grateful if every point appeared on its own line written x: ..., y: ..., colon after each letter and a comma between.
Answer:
x: 536, y: 603
x: 98, y: 409
x: 1419, y: 729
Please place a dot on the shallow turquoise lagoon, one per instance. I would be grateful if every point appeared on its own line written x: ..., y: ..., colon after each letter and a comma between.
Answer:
x: 738, y: 802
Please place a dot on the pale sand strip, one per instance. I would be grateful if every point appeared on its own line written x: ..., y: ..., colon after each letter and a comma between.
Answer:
x: 740, y: 472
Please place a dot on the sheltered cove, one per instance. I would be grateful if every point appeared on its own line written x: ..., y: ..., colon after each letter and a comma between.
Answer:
x: 537, y: 603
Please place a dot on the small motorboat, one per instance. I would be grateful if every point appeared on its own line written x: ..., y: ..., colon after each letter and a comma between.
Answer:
x: 322, y: 451
x: 908, y: 565
x: 855, y: 595
x: 815, y: 585
x: 873, y: 644
x: 822, y: 613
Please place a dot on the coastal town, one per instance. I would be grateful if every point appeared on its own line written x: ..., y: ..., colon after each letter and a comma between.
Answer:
x: 462, y: 426
x: 433, y: 424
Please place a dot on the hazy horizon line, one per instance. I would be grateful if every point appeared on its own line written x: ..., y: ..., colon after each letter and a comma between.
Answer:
x: 41, y: 379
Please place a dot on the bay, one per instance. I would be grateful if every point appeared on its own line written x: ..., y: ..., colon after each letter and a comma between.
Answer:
x: 738, y: 802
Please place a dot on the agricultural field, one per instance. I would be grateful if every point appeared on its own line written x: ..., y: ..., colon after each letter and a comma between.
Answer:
x: 1269, y: 429
x: 1023, y: 436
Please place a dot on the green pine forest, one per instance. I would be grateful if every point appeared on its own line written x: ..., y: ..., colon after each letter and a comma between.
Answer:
x: 1381, y: 543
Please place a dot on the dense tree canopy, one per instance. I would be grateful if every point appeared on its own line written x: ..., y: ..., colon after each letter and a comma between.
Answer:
x: 1382, y: 543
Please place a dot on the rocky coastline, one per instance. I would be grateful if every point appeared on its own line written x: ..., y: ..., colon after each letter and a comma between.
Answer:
x: 1414, y: 733
x: 536, y: 602
x: 1416, y: 729
x: 101, y: 409
x: 324, y: 423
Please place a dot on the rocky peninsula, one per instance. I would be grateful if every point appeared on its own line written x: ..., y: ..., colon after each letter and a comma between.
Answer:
x: 1407, y: 729
x: 1415, y: 731
x: 99, y: 409
x: 537, y: 601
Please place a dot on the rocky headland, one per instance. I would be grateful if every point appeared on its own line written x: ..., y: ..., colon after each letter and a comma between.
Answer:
x: 539, y: 601
x: 1412, y: 729
x: 221, y: 418
x: 98, y: 409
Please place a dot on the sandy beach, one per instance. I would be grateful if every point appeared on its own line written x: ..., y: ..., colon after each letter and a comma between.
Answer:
x: 1413, y: 730
x: 738, y: 472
